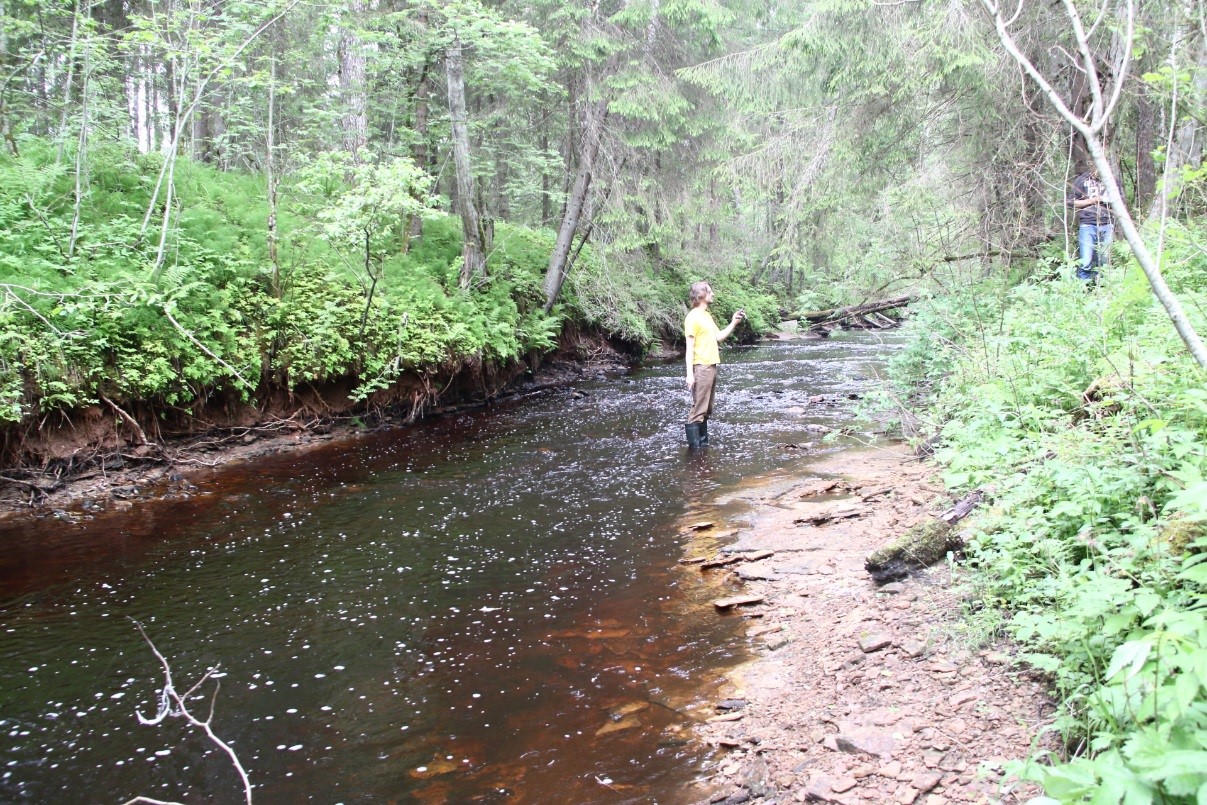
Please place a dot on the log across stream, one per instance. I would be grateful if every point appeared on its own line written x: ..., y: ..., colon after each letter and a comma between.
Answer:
x: 482, y: 606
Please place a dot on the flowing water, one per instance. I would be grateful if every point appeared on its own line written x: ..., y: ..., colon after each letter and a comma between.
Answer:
x: 484, y: 607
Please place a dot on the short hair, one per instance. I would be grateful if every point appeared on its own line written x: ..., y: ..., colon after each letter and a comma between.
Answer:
x: 698, y: 292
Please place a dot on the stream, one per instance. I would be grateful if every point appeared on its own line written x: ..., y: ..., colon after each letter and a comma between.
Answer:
x: 484, y: 607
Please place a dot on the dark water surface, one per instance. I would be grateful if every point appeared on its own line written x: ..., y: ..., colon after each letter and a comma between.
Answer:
x: 449, y: 612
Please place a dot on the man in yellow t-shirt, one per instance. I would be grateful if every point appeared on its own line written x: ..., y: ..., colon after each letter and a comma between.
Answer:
x: 702, y: 358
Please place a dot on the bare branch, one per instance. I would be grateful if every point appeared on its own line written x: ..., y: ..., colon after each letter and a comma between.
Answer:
x: 173, y: 704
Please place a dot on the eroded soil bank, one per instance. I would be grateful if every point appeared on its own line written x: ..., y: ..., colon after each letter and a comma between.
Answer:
x: 858, y: 694
x: 105, y: 457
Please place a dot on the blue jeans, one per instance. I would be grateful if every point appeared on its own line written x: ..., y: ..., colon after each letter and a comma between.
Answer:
x: 1093, y: 247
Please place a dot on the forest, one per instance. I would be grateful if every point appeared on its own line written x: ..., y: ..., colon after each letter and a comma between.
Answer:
x: 212, y: 202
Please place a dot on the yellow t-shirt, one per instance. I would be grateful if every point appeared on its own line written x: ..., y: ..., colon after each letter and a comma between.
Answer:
x: 700, y: 324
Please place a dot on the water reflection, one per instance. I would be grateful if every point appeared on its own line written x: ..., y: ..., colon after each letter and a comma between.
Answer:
x: 480, y: 607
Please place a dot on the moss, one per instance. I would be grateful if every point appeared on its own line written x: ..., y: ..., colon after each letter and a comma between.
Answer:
x: 920, y: 546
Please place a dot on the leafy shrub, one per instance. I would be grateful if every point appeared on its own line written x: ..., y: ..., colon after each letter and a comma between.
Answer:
x: 1086, y: 420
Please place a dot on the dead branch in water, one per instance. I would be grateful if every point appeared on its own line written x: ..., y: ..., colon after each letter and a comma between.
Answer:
x: 172, y: 703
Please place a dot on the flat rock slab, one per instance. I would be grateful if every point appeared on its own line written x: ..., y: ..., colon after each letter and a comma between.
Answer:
x: 751, y: 542
x: 875, y: 642
x: 857, y: 740
x: 841, y: 510
x: 757, y: 571
x: 737, y: 601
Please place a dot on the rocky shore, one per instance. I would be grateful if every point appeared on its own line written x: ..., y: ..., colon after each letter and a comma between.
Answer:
x: 857, y: 693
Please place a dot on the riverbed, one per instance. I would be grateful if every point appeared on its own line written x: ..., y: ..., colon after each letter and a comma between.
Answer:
x: 481, y: 607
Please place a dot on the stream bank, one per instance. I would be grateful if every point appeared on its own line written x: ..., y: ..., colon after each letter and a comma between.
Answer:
x: 105, y: 458
x: 857, y: 694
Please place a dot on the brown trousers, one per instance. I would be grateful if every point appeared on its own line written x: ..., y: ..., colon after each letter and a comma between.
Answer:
x: 702, y: 392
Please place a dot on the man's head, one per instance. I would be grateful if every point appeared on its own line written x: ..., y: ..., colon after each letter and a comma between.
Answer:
x: 701, y: 292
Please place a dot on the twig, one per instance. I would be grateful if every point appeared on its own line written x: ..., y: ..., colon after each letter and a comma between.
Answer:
x: 173, y: 704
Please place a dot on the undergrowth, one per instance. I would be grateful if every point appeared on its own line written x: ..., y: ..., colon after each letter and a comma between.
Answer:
x: 86, y: 316
x: 1082, y: 415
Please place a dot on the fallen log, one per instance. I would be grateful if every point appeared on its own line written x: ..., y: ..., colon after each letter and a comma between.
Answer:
x: 839, y: 313
x: 962, y: 509
x: 922, y: 545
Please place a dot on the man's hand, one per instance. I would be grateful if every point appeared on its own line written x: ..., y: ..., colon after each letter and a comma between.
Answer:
x: 738, y: 317
x: 691, y: 381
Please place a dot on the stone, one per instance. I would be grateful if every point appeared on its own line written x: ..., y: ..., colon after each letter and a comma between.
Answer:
x: 997, y: 658
x: 830, y: 742
x: 891, y: 770
x: 861, y: 740
x: 958, y: 699
x: 737, y: 601
x: 925, y: 781
x: 843, y: 784
x: 627, y: 723
x: 913, y: 648
x: 875, y: 642
x: 905, y: 795
x: 776, y: 642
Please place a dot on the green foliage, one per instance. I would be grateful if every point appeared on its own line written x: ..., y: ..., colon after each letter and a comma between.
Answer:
x: 358, y: 298
x: 1087, y: 422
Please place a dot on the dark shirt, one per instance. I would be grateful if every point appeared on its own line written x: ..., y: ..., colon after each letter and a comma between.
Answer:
x: 1087, y: 186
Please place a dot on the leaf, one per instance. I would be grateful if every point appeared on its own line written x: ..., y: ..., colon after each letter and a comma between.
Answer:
x: 1132, y: 653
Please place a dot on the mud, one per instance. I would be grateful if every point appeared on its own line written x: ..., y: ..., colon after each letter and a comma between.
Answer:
x: 859, y: 693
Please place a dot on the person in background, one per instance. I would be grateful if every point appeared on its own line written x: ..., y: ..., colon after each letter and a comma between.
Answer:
x: 703, y: 355
x: 1094, y: 224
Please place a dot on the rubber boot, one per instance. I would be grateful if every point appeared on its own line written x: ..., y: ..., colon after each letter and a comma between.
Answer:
x: 704, y: 433
x: 693, y: 435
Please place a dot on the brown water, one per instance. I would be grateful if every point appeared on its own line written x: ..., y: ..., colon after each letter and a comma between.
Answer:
x: 449, y: 612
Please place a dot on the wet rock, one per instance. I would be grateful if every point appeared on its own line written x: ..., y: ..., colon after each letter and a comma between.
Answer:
x: 620, y: 711
x: 627, y: 723
x: 730, y: 704
x: 725, y: 717
x: 737, y: 601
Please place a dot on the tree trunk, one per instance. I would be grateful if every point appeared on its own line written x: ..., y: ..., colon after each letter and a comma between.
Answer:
x: 1146, y: 143
x: 555, y: 275
x: 1185, y: 147
x: 419, y: 152
x: 473, y: 254
x: 355, y: 122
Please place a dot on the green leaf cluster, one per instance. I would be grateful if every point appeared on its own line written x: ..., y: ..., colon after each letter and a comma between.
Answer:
x: 1086, y: 421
